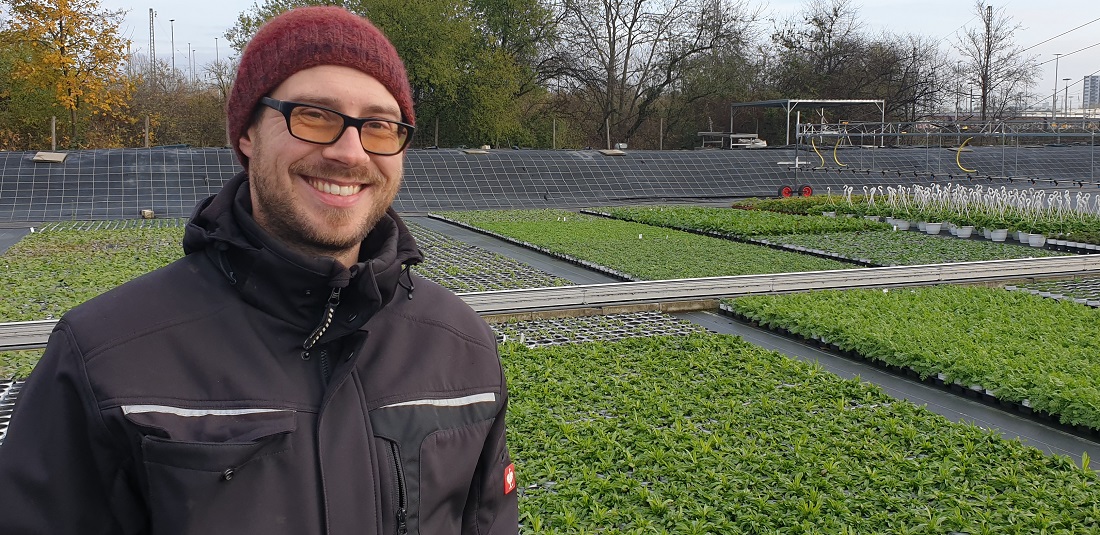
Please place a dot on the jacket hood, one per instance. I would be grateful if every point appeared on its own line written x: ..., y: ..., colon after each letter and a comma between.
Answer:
x: 291, y: 285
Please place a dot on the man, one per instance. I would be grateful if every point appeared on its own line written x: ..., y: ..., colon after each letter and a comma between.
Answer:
x: 289, y: 374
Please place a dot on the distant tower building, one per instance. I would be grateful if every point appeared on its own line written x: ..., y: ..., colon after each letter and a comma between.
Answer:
x: 1090, y: 96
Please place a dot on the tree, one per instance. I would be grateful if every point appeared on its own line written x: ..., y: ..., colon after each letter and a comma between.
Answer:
x: 75, y: 49
x: 993, y: 61
x: 25, y: 111
x: 621, y: 57
x: 819, y: 50
x: 468, y: 61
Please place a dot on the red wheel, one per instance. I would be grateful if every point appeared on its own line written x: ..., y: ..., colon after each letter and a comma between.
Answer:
x: 805, y: 190
x: 786, y: 191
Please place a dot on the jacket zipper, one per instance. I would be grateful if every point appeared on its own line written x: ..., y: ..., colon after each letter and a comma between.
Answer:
x: 326, y: 320
x: 402, y: 497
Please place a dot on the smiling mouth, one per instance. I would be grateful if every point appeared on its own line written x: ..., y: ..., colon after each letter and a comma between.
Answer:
x: 334, y: 189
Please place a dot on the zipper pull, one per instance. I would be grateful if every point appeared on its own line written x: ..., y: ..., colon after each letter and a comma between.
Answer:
x: 326, y: 320
x: 402, y: 526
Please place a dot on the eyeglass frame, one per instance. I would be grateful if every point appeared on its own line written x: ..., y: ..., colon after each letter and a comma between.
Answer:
x: 285, y: 107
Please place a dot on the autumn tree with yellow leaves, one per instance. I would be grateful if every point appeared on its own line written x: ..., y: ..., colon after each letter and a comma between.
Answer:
x: 74, y: 51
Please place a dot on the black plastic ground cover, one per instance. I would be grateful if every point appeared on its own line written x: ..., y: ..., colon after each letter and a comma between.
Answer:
x: 119, y: 183
x: 983, y: 396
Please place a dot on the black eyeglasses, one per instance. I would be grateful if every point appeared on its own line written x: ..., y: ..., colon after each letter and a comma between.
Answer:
x: 317, y: 124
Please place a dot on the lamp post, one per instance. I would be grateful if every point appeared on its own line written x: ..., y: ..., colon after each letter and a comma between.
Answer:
x: 172, y: 22
x: 1054, y: 104
x: 1065, y: 97
x: 958, y: 88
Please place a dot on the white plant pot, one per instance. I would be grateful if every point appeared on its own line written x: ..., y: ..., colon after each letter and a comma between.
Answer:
x: 986, y: 232
x: 1036, y: 240
x: 829, y: 214
x: 1021, y: 236
x: 901, y: 224
x: 964, y: 232
x: 998, y: 234
x: 922, y: 226
x: 871, y: 218
x: 932, y: 228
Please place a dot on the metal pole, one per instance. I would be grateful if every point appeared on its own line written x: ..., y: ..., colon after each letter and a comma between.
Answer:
x: 146, y: 131
x: 554, y: 133
x: 958, y: 88
x: 152, y: 49
x: 173, y: 23
x: 1054, y: 103
x: 661, y: 134
x: 1065, y: 98
x: 53, y: 132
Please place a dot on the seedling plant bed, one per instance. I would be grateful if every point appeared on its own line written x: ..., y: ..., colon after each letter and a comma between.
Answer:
x: 635, y: 251
x: 856, y: 240
x: 594, y: 328
x: 1085, y: 290
x: 710, y: 434
x: 890, y: 248
x: 61, y: 265
x: 461, y: 267
x: 1014, y: 347
x: 738, y: 223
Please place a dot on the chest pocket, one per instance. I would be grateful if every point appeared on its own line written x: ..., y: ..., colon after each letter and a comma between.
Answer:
x: 207, y: 469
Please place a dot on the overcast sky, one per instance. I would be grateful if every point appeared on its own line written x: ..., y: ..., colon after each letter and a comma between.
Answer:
x: 201, y: 24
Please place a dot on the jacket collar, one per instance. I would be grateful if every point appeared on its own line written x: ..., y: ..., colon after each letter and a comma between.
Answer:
x: 288, y: 284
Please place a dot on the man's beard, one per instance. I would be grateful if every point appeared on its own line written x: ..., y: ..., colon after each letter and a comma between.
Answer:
x: 285, y: 219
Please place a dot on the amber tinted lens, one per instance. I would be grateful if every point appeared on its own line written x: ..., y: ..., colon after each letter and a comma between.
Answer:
x: 383, y: 137
x: 315, y: 124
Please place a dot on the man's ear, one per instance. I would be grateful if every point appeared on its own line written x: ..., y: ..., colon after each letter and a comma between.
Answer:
x: 245, y: 142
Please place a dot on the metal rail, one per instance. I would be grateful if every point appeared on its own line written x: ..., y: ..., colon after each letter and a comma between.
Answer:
x: 25, y: 334
x: 34, y: 334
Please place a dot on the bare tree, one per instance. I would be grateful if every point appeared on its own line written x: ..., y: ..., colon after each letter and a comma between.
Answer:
x: 993, y: 61
x: 621, y: 56
x: 818, y: 50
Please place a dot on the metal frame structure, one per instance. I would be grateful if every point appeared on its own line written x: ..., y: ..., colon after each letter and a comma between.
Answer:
x: 792, y: 104
x: 30, y: 335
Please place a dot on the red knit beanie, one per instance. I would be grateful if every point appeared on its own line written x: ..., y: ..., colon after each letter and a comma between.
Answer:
x: 308, y: 37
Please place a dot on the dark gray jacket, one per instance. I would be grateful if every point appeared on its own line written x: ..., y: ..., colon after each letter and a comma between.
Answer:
x: 187, y: 402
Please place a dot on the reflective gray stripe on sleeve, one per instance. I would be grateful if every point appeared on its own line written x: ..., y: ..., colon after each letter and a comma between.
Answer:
x: 488, y: 397
x: 179, y: 411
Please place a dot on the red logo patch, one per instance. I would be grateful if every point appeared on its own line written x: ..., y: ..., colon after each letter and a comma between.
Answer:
x: 510, y: 478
